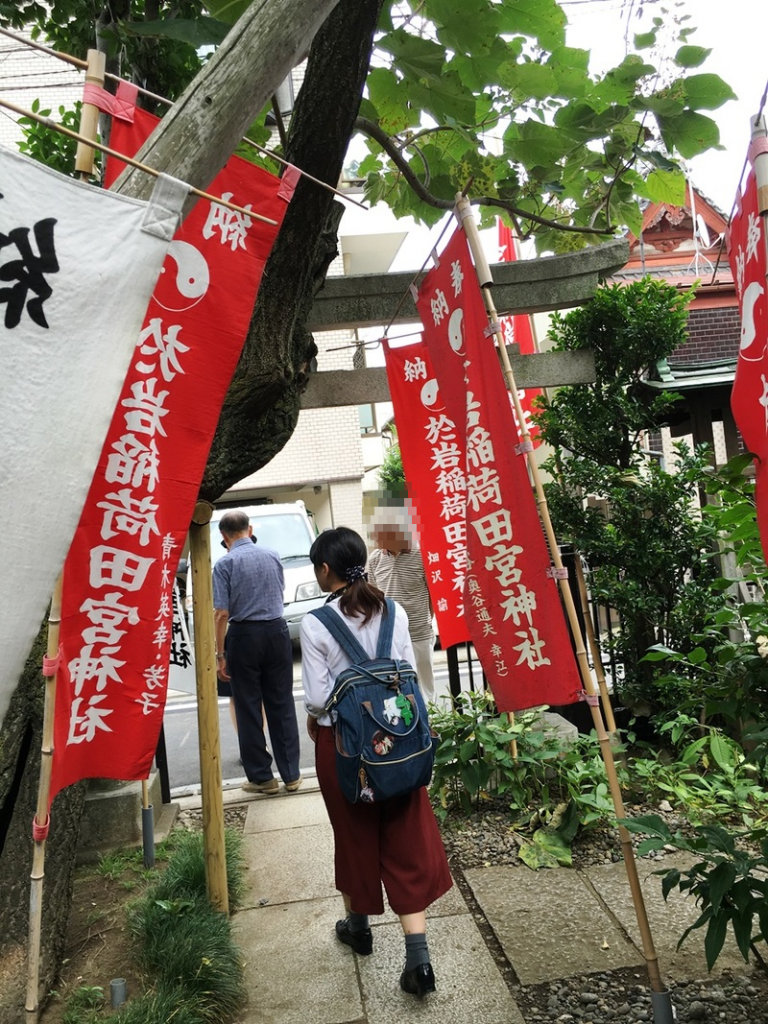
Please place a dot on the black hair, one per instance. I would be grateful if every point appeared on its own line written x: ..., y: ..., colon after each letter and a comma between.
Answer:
x: 345, y: 554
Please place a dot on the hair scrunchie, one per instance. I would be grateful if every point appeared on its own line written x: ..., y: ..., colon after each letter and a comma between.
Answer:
x: 356, y: 572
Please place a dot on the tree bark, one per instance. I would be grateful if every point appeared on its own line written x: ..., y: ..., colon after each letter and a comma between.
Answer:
x: 262, y: 405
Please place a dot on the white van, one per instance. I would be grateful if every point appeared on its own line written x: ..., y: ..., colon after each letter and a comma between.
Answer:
x: 288, y: 530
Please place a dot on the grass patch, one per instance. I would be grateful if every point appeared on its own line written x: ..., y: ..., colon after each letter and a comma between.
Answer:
x: 192, y: 969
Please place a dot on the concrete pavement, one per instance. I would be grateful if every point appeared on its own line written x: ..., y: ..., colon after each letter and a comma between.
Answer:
x: 550, y: 924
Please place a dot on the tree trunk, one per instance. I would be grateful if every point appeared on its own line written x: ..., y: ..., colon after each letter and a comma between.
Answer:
x: 262, y: 405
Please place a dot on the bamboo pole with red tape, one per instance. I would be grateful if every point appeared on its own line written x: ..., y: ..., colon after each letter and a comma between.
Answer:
x: 42, y: 818
x: 661, y: 1000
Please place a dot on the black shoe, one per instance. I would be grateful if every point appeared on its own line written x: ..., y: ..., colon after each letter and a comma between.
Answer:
x: 418, y: 981
x: 361, y: 942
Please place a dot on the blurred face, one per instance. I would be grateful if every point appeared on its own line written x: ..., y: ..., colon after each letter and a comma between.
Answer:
x: 392, y: 538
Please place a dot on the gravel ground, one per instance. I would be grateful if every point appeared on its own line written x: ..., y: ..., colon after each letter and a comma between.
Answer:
x: 612, y: 997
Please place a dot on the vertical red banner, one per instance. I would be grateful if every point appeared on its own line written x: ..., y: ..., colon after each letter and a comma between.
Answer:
x: 433, y: 463
x: 118, y: 578
x: 517, y: 330
x: 749, y: 399
x: 512, y: 605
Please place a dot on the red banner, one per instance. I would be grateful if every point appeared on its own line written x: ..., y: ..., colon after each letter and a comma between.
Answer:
x: 747, y: 255
x: 118, y: 577
x: 436, y: 483
x: 517, y: 330
x: 511, y: 602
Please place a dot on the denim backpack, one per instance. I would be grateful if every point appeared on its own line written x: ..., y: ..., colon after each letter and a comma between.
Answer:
x: 384, y: 746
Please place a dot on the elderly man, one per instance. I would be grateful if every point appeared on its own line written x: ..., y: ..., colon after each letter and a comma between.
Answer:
x: 253, y: 652
x: 396, y: 567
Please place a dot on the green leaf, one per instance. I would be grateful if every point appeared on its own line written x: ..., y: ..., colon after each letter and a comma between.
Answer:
x: 535, y: 80
x: 651, y: 824
x: 691, y: 56
x: 535, y: 856
x: 722, y: 750
x: 669, y: 882
x: 707, y: 92
x: 555, y: 845
x: 697, y: 655
x: 690, y: 133
x: 742, y: 930
x: 644, y: 40
x: 544, y: 20
x: 664, y: 187
x: 715, y: 937
x: 227, y: 10
x: 468, y: 750
x: 720, y: 881
x: 201, y: 31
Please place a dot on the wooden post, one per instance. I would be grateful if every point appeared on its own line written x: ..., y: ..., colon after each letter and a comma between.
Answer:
x: 89, y: 115
x: 40, y: 824
x: 597, y: 662
x: 208, y: 708
x: 467, y: 221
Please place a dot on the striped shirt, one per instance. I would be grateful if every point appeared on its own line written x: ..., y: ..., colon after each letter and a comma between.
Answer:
x: 402, y: 578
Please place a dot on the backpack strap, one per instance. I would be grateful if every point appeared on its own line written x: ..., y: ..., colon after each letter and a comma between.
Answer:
x: 386, y: 631
x: 341, y: 634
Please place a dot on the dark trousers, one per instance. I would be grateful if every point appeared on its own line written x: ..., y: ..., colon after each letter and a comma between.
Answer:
x: 260, y: 662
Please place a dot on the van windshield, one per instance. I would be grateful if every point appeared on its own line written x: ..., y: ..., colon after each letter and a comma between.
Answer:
x: 286, y: 534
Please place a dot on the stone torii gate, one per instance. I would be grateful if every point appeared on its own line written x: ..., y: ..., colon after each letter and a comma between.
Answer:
x: 525, y: 286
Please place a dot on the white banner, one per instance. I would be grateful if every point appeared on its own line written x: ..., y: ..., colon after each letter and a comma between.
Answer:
x: 77, y: 268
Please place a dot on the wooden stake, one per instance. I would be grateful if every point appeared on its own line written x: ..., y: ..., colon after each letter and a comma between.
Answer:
x: 467, y: 221
x: 208, y: 708
x: 597, y: 662
x: 40, y: 826
x: 89, y: 115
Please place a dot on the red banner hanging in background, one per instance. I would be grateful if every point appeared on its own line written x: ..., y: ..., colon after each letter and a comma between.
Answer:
x: 511, y: 602
x: 435, y: 482
x: 749, y: 399
x: 118, y: 578
x: 517, y: 330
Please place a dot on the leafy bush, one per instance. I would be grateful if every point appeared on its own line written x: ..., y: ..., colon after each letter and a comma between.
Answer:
x: 729, y: 881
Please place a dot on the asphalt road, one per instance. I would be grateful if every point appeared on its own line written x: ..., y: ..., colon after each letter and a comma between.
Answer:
x: 181, y: 736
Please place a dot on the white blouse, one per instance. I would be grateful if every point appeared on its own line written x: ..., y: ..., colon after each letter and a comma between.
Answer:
x: 322, y: 659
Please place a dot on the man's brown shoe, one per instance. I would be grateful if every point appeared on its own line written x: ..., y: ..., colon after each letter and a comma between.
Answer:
x: 293, y: 786
x: 270, y: 787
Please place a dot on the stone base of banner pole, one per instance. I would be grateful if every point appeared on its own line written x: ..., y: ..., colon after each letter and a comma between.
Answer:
x: 208, y: 708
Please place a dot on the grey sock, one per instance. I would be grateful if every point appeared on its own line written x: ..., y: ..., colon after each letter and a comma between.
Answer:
x: 416, y: 951
x: 357, y: 922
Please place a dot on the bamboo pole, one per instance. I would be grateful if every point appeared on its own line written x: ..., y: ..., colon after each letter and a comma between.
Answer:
x: 467, y: 221
x: 41, y: 819
x: 89, y: 115
x: 597, y: 662
x: 208, y: 708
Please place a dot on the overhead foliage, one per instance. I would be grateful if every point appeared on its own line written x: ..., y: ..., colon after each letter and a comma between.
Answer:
x: 482, y: 95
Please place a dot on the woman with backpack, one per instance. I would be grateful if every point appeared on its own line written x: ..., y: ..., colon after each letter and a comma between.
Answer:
x: 396, y: 842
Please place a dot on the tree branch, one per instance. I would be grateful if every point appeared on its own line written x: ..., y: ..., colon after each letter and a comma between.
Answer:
x: 371, y: 129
